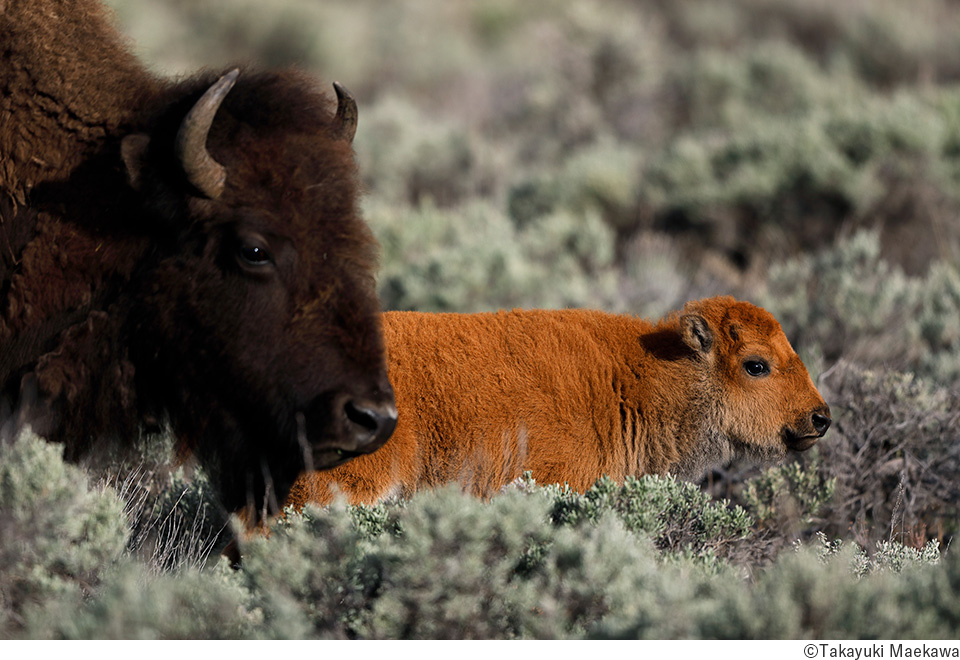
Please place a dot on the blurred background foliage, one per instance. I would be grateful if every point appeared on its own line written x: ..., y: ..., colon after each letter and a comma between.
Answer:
x: 627, y: 155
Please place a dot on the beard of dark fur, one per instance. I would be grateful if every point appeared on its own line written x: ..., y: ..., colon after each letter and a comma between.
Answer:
x: 244, y: 437
x: 252, y: 460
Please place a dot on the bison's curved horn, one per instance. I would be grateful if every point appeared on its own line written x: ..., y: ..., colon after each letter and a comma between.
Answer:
x: 346, y: 112
x: 203, y: 172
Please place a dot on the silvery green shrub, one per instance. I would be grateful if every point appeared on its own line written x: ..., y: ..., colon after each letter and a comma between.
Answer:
x: 893, y: 454
x: 473, y: 258
x: 134, y: 602
x: 677, y: 514
x: 846, y: 300
x: 57, y: 533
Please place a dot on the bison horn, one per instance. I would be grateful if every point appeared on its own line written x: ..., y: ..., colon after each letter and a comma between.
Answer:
x: 203, y: 172
x: 346, y: 112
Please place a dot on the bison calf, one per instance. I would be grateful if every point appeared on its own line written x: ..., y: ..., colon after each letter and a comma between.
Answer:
x: 573, y: 395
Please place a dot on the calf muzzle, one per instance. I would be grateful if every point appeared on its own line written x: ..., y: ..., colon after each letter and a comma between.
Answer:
x: 821, y: 422
x: 809, y: 429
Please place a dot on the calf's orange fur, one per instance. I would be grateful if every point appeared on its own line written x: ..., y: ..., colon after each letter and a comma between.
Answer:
x: 572, y: 395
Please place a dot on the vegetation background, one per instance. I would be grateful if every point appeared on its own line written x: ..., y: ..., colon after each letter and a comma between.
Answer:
x: 624, y: 155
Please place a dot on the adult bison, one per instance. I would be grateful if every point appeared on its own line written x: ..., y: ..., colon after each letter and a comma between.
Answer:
x: 189, y: 252
x: 573, y: 395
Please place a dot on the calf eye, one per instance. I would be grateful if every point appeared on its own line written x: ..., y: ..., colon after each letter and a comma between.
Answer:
x: 756, y: 368
x: 254, y: 255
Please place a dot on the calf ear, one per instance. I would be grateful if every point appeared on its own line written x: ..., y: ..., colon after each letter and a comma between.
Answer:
x: 133, y: 150
x: 696, y: 333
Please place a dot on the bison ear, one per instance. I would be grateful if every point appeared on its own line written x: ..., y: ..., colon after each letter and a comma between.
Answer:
x: 696, y: 333
x: 133, y: 150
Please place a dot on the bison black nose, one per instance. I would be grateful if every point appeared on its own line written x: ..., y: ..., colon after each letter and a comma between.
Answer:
x: 820, y: 423
x: 336, y: 429
x: 370, y: 422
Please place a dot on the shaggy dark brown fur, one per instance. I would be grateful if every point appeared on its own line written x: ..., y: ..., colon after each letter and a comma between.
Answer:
x: 247, y: 318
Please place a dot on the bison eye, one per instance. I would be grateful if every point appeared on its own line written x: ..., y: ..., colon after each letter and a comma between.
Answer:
x: 756, y: 368
x: 254, y: 255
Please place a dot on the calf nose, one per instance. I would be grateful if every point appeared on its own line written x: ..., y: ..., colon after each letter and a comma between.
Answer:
x: 370, y: 422
x: 820, y: 423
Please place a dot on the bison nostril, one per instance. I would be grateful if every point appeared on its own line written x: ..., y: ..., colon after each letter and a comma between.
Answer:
x: 372, y: 421
x: 821, y: 423
x: 360, y: 416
